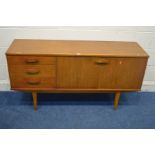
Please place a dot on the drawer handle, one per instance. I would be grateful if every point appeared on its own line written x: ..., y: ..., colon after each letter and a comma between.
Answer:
x: 102, y: 62
x: 32, y: 71
x: 31, y: 61
x: 33, y: 82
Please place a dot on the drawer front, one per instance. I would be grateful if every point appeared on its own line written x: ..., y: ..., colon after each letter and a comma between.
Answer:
x: 33, y: 70
x: 100, y: 73
x: 38, y: 83
x: 31, y: 60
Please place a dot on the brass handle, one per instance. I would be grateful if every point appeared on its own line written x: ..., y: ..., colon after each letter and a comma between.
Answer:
x: 31, y: 61
x: 102, y: 62
x: 33, y: 82
x: 32, y: 71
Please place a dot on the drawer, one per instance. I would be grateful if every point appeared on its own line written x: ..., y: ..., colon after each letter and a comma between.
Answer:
x: 31, y: 60
x: 33, y: 70
x: 26, y: 82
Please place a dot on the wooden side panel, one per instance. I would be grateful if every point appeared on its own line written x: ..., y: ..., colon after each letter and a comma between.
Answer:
x: 99, y: 72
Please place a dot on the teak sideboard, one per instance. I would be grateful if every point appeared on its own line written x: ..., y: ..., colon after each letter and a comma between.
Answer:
x: 76, y: 66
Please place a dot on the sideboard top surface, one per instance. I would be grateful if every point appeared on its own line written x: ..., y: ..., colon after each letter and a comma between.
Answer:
x: 75, y: 48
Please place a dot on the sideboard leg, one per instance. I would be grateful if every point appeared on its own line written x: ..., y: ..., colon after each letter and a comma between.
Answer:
x: 34, y: 96
x: 116, y: 100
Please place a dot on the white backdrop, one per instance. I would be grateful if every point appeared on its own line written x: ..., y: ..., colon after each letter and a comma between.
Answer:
x: 145, y: 36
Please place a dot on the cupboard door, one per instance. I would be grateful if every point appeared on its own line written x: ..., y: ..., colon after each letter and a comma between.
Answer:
x: 76, y: 72
x: 122, y: 73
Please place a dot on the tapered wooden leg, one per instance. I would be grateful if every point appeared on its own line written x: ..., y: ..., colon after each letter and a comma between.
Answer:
x: 34, y: 96
x: 117, y: 96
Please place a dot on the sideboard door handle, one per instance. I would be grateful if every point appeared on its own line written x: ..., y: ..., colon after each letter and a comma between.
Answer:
x: 32, y: 71
x: 31, y: 61
x: 33, y: 82
x: 102, y: 62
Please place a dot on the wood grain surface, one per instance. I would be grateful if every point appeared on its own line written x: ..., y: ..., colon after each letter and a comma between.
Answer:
x: 76, y: 48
